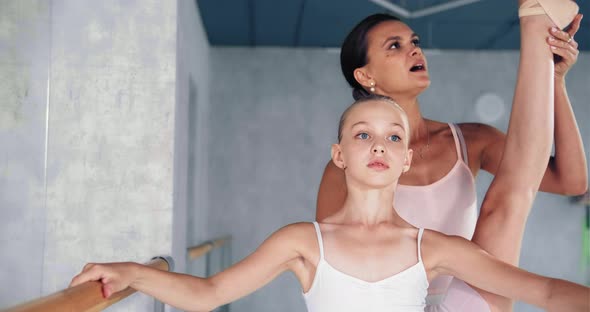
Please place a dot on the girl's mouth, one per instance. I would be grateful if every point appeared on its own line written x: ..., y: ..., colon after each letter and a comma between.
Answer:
x: 378, y: 165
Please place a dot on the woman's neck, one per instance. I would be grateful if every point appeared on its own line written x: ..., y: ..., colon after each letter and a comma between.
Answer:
x: 418, y: 128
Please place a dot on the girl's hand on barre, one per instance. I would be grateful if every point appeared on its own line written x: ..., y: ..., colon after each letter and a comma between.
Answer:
x: 113, y: 276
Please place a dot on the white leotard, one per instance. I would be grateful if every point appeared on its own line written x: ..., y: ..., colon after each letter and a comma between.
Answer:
x: 333, y: 290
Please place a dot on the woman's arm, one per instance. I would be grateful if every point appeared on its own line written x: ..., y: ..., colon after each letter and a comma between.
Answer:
x: 566, y: 172
x: 463, y: 259
x: 332, y: 192
x: 276, y: 255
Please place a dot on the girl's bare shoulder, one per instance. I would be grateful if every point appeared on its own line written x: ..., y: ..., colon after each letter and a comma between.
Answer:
x: 299, y: 231
x: 438, y: 248
x: 301, y: 236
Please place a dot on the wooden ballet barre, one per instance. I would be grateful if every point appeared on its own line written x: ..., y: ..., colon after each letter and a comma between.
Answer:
x: 86, y: 297
x: 202, y: 249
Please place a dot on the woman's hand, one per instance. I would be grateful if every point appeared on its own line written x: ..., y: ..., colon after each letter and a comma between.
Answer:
x: 113, y: 276
x: 565, y: 47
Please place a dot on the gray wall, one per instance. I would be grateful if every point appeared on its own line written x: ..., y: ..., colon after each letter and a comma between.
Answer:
x: 190, y: 173
x: 110, y: 68
x: 111, y: 136
x: 24, y: 63
x: 274, y: 114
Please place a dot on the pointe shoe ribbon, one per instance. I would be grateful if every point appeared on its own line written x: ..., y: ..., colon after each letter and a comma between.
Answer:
x: 559, y: 11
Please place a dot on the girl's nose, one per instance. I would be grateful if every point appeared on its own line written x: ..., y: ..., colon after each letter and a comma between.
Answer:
x: 378, y: 149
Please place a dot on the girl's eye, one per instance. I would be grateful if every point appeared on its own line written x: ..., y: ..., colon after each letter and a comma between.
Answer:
x: 362, y: 136
x: 416, y: 42
x: 395, y: 138
x: 394, y: 45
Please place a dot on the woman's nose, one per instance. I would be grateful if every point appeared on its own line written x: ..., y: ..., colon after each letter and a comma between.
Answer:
x: 416, y: 51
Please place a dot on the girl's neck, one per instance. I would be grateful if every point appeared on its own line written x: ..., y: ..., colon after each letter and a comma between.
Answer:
x: 369, y: 207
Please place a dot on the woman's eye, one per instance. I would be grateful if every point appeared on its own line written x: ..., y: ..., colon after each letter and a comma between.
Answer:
x: 394, y: 45
x: 416, y: 42
x: 395, y: 138
x: 362, y: 136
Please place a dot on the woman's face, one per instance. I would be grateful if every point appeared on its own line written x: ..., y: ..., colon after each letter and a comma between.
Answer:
x: 395, y: 61
x: 373, y: 148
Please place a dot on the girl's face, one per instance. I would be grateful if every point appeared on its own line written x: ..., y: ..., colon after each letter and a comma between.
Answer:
x: 374, y: 147
x: 395, y: 61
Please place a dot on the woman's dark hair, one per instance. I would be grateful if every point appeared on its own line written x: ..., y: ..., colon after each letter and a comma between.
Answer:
x: 353, y: 53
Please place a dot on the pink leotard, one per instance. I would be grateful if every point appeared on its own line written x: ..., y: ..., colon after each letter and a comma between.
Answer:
x: 449, y: 206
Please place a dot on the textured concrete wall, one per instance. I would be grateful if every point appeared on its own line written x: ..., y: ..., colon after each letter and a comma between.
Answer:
x: 24, y: 63
x: 274, y: 114
x: 111, y: 137
x: 126, y: 141
x: 192, y: 96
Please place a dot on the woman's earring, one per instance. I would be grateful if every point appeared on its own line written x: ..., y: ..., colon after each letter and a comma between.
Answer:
x: 372, y: 87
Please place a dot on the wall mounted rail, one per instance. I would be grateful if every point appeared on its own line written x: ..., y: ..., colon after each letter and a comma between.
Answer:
x: 86, y: 297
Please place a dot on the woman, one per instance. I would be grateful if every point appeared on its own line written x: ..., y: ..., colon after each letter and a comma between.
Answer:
x: 381, y: 55
x: 367, y: 239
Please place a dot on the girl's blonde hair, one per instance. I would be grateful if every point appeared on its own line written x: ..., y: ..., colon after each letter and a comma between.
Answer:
x: 369, y: 98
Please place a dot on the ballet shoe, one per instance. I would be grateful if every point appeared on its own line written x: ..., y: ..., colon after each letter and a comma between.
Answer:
x: 561, y: 12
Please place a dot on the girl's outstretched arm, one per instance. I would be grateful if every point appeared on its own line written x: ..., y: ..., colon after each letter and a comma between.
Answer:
x: 453, y: 255
x: 277, y: 254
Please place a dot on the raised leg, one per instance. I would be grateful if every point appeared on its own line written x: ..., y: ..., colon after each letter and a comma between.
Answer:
x: 507, y: 203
